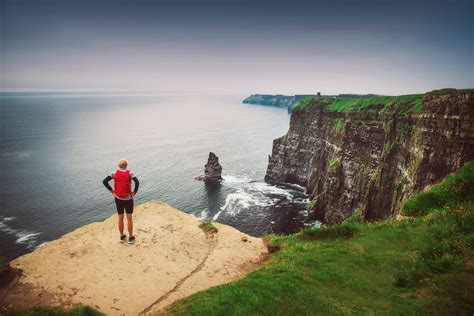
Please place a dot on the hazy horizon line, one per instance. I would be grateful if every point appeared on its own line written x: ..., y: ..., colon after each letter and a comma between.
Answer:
x: 205, y: 92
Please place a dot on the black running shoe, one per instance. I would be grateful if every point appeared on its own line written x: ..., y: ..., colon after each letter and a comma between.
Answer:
x: 122, y: 238
x: 131, y: 239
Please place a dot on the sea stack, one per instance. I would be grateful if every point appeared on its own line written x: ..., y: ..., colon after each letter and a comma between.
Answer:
x: 212, y: 170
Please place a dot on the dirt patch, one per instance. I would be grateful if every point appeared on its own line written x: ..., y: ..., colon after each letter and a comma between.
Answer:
x: 8, y: 275
x: 20, y: 295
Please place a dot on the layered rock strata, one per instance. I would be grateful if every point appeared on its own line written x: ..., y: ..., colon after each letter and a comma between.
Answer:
x: 373, y: 157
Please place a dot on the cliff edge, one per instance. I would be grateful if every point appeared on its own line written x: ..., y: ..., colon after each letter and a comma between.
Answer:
x: 291, y: 101
x: 371, y: 154
x: 172, y: 258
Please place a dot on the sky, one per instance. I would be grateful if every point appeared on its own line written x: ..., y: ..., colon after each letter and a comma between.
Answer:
x: 244, y: 47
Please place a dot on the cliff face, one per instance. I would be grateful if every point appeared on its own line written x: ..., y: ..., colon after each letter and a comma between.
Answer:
x: 371, y: 155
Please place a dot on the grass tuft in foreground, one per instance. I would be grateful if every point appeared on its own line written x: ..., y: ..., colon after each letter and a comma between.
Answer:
x: 417, y: 265
x: 208, y: 227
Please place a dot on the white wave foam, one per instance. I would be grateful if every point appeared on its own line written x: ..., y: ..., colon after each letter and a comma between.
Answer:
x: 7, y: 219
x: 313, y: 224
x: 301, y: 201
x: 17, y: 154
x: 41, y: 245
x: 263, y: 187
x: 4, y: 227
x: 271, y: 189
x: 297, y: 187
x: 216, y: 216
x: 240, y: 200
x: 251, y: 194
x: 203, y: 215
x: 236, y: 179
x: 24, y: 237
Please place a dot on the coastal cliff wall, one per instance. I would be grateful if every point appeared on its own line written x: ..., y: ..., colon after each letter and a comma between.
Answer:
x: 371, y: 154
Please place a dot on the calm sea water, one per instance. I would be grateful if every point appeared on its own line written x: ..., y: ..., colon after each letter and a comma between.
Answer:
x: 55, y: 150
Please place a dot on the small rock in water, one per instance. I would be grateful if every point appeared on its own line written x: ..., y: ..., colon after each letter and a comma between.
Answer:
x: 212, y: 170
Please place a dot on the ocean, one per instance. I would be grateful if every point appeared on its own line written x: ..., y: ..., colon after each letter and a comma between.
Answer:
x: 56, y: 148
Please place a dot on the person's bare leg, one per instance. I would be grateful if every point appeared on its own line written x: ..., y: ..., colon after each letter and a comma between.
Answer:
x: 130, y: 224
x: 121, y: 224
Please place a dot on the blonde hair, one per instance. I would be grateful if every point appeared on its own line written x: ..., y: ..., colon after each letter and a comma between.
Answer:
x: 123, y: 163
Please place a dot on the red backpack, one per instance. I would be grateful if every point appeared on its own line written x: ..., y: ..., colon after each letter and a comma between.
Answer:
x: 122, y: 183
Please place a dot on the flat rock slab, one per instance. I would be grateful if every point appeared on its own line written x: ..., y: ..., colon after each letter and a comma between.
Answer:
x: 171, y: 258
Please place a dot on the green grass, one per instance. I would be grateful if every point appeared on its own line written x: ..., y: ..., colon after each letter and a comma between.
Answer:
x: 417, y: 105
x: 334, y: 164
x: 208, y: 227
x: 303, y: 104
x: 400, y: 105
x: 381, y: 104
x: 455, y: 188
x: 308, y: 101
x: 338, y: 124
x: 51, y: 311
x: 345, y: 230
x: 414, y: 266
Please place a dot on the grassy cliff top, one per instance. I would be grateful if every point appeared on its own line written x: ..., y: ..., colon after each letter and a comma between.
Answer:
x: 391, y: 104
x: 403, y: 104
x: 420, y: 264
x: 380, y: 104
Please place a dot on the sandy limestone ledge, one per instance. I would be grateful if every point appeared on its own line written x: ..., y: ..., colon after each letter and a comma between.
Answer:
x: 172, y: 258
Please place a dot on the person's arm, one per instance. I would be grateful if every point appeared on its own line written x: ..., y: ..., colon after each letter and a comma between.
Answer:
x: 135, y: 180
x: 106, y: 183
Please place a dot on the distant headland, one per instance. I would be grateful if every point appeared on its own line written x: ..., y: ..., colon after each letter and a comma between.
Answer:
x: 291, y: 101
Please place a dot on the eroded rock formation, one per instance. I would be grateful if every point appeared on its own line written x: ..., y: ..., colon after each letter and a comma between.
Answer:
x: 373, y: 159
x: 212, y: 170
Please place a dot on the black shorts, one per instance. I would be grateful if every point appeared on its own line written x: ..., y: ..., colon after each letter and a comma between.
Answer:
x: 122, y: 205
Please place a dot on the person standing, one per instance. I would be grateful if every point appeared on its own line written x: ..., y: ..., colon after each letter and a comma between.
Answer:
x: 123, y: 195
